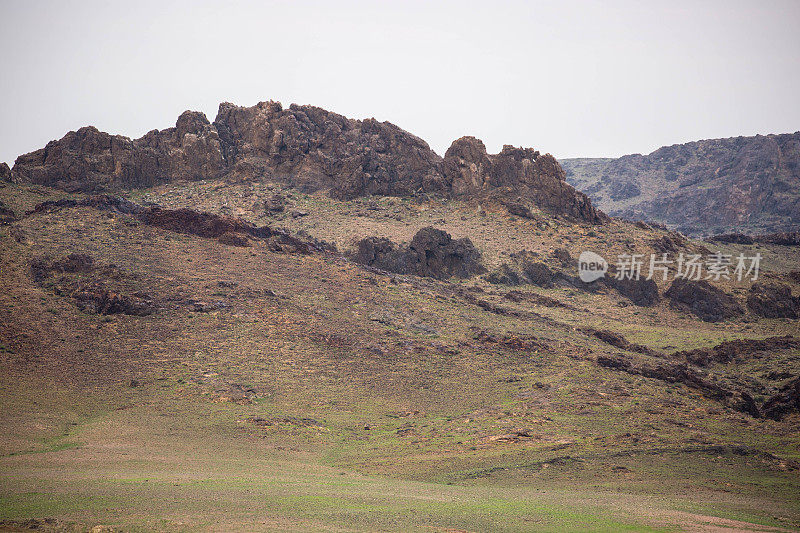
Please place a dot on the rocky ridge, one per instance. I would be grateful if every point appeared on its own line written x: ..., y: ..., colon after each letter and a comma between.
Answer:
x: 308, y: 148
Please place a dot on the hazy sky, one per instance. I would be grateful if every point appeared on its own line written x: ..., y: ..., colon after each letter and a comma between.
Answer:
x: 588, y: 78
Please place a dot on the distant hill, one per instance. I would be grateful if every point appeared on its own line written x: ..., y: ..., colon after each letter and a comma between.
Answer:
x: 742, y: 184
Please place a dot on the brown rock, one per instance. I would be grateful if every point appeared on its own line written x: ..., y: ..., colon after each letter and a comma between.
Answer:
x: 523, y: 171
x: 309, y: 148
x: 703, y: 299
x: 88, y: 159
x: 5, y: 172
x: 432, y: 253
x: 773, y: 301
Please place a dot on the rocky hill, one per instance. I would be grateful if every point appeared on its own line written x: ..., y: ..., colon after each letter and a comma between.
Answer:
x: 741, y: 184
x: 305, y: 147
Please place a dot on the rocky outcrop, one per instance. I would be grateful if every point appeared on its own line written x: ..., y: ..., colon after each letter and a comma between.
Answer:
x: 7, y: 216
x: 313, y: 149
x: 5, y: 172
x: 306, y: 147
x: 523, y: 171
x: 703, y: 299
x: 785, y: 402
x: 784, y: 238
x: 740, y: 184
x: 90, y: 160
x: 739, y: 350
x: 432, y: 253
x: 773, y: 301
x: 685, y: 374
x: 641, y: 291
x: 619, y: 341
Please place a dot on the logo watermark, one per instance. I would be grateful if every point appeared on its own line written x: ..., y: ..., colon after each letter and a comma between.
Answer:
x: 591, y: 267
x: 716, y: 266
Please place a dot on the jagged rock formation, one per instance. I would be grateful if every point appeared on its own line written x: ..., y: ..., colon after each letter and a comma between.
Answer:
x: 432, y: 253
x: 5, y: 172
x: 523, y: 171
x: 88, y: 159
x: 306, y: 147
x: 741, y: 184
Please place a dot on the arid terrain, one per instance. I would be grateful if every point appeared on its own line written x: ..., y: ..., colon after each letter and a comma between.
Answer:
x: 288, y: 320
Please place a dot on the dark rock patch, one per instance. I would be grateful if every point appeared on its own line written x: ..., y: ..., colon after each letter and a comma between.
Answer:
x: 786, y: 401
x: 773, y: 301
x: 703, y: 300
x: 189, y: 221
x: 642, y: 292
x: 7, y: 216
x: 431, y: 253
x: 733, y: 238
x: 536, y: 299
x: 686, y: 375
x: 5, y: 172
x: 563, y: 256
x: 737, y: 350
x: 619, y: 341
x: 505, y: 275
x: 95, y: 289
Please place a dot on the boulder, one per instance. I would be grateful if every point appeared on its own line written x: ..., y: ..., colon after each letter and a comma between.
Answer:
x: 703, y: 299
x: 7, y: 216
x: 786, y: 401
x: 431, y: 253
x: 773, y: 301
x: 275, y: 203
x: 539, y: 273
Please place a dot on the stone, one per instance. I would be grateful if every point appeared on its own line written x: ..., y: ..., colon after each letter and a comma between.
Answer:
x: 431, y: 253
x: 773, y: 301
x: 5, y: 172
x: 703, y: 299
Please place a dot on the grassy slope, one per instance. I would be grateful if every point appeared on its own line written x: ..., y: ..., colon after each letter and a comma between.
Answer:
x: 180, y: 451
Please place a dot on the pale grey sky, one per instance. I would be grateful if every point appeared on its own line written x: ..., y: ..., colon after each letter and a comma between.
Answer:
x: 583, y: 78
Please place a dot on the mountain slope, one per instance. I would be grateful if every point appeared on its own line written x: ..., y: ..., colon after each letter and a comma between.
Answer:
x: 744, y: 184
x: 292, y: 388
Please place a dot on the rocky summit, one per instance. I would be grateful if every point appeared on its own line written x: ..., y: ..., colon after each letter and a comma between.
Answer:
x: 305, y: 147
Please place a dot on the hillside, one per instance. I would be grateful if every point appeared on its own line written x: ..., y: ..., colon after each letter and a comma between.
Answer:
x: 741, y: 184
x: 293, y: 336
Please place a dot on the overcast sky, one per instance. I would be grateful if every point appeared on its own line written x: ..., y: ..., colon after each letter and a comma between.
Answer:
x: 584, y: 78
